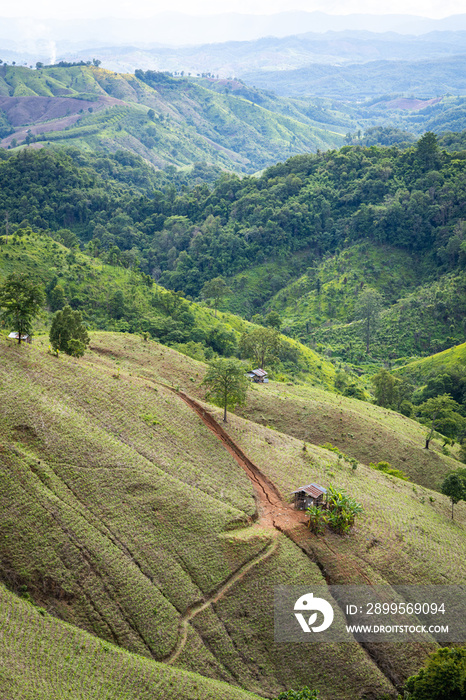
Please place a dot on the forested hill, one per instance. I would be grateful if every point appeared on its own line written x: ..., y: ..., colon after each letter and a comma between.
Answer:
x: 317, y: 204
x: 265, y: 233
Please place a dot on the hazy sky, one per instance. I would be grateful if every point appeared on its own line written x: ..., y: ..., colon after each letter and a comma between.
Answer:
x: 147, y: 8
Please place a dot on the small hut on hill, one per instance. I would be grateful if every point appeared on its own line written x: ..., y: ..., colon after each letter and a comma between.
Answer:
x: 24, y: 338
x: 258, y: 375
x: 309, y: 495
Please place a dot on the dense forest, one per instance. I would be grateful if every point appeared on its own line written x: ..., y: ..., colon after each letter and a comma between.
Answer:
x: 302, y: 240
x: 413, y: 199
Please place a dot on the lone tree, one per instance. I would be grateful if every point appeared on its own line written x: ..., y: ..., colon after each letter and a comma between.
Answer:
x: 367, y: 309
x: 261, y: 345
x: 454, y: 486
x: 68, y: 333
x: 21, y: 299
x: 226, y: 384
x: 215, y: 289
x: 442, y: 678
x: 440, y: 413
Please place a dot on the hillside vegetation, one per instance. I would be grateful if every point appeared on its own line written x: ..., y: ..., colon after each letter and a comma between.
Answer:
x: 42, y: 657
x: 112, y: 297
x: 303, y: 238
x: 167, y: 121
x: 123, y: 532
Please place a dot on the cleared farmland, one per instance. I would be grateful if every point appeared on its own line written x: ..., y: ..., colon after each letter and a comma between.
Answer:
x: 122, y: 512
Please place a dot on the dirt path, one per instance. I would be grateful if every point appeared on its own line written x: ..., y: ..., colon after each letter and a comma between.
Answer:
x: 214, y: 597
x: 274, y: 512
x: 272, y: 509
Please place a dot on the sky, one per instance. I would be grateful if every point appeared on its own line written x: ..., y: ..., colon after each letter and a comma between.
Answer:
x: 149, y: 8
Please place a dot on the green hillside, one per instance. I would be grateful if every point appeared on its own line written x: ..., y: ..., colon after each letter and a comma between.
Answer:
x: 421, y: 370
x: 427, y: 320
x: 124, y: 515
x: 167, y: 121
x: 111, y: 297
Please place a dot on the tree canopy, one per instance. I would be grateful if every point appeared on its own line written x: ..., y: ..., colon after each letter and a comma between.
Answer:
x: 261, y: 345
x: 440, y: 413
x: 68, y: 332
x: 367, y: 309
x: 226, y: 384
x: 454, y: 486
x: 21, y: 299
x: 442, y: 678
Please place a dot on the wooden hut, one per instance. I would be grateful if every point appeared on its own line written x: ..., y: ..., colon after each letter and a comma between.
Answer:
x: 258, y: 375
x: 310, y: 495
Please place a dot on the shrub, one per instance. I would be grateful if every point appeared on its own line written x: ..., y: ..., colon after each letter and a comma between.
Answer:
x: 387, y: 468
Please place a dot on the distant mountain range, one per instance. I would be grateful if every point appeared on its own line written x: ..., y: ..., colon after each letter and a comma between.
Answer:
x: 239, y: 58
x: 49, y: 37
x: 426, y: 78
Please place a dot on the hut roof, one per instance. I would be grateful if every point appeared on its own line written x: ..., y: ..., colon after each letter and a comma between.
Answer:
x: 313, y: 490
x: 259, y: 372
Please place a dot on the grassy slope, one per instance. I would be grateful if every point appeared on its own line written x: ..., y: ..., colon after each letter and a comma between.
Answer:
x: 391, y: 271
x: 121, y: 510
x: 420, y: 314
x: 402, y: 536
x: 421, y: 370
x: 124, y: 565
x: 43, y: 657
x: 427, y: 320
x: 362, y: 430
x: 192, y: 122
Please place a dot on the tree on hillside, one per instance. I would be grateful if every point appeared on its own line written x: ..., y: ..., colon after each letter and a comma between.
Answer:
x: 390, y: 391
x: 454, y: 486
x: 367, y: 309
x: 226, y: 384
x: 68, y: 333
x: 440, y: 413
x: 21, y: 299
x: 442, y: 678
x: 261, y: 345
x: 215, y: 289
x: 427, y: 151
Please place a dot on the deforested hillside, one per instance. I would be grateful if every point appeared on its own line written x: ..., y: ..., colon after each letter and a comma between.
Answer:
x: 168, y: 121
x: 42, y: 657
x: 125, y: 516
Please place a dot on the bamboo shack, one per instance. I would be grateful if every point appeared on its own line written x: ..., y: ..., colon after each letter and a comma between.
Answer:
x: 310, y: 495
